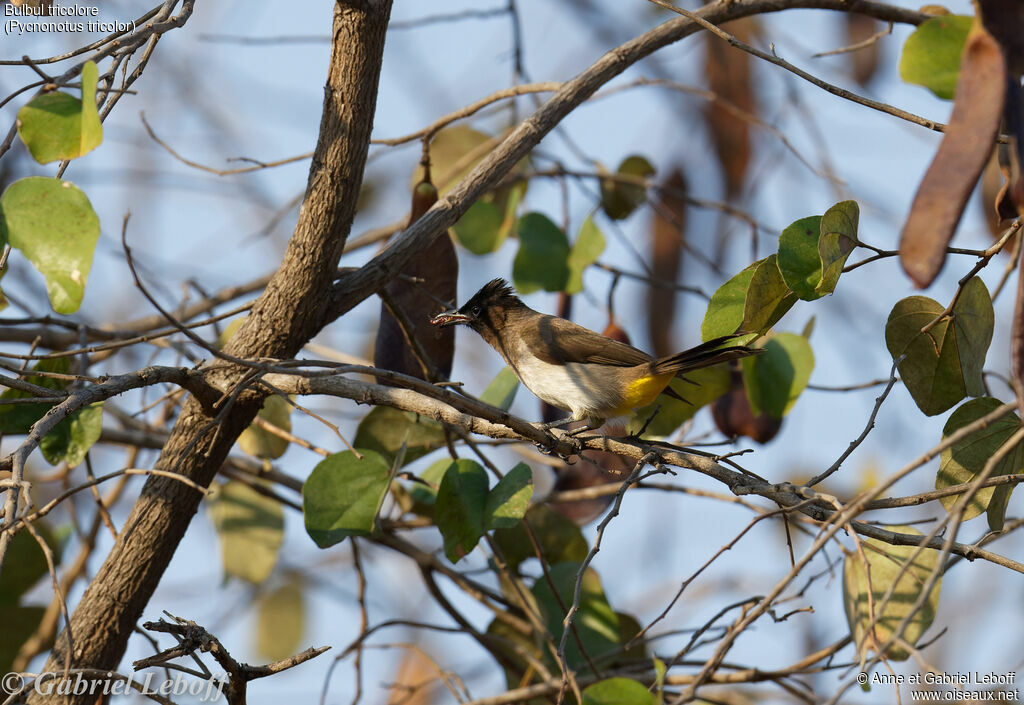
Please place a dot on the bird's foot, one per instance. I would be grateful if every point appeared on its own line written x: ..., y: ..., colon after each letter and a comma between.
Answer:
x: 562, y: 438
x: 557, y: 423
x: 551, y: 448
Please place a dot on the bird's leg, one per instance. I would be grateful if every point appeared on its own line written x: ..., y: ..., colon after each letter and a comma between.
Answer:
x: 568, y: 436
x: 554, y: 424
x: 592, y: 424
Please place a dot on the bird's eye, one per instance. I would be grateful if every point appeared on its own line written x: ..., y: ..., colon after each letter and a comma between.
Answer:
x: 475, y: 311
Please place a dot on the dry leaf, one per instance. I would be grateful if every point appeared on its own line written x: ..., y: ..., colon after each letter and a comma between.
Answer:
x: 863, y: 62
x: 436, y: 270
x: 668, y: 232
x: 730, y: 79
x: 969, y: 139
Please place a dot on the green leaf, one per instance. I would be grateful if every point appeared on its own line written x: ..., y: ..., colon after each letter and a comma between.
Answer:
x: 775, y: 378
x: 56, y: 126
x: 19, y: 624
x: 962, y: 461
x: 281, y: 621
x: 596, y: 621
x: 700, y: 388
x: 750, y: 302
x: 25, y: 563
x: 18, y: 419
x: 485, y: 226
x: 542, y: 260
x: 4, y: 303
x: 425, y: 493
x: 620, y: 199
x: 343, y: 494
x: 478, y: 228
x: 53, y: 224
x: 261, y: 443
x: 931, y: 55
x: 71, y: 439
x: 813, y: 250
x: 886, y: 562
x: 799, y: 261
x: 385, y: 429
x: 629, y: 628
x: 725, y: 310
x: 454, y: 151
x: 617, y: 691
x: 997, y: 507
x: 508, y: 501
x: 251, y: 529
x: 459, y: 509
x: 513, y: 645
x: 588, y: 247
x: 838, y: 239
x: 768, y: 298
x: 559, y: 537
x: 944, y: 365
x: 502, y: 389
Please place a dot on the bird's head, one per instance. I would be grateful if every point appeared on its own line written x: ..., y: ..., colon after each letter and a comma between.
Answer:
x: 483, y: 309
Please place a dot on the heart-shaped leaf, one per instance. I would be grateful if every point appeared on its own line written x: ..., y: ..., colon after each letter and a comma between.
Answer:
x: 281, y: 620
x: 619, y: 198
x: 542, y: 260
x: 837, y: 241
x: 799, y: 261
x: 483, y: 228
x: 385, y: 430
x: 459, y: 509
x: 261, y: 443
x: 931, y: 54
x: 617, y: 691
x: 502, y: 389
x: 57, y: 126
x: 887, y: 563
x: 508, y: 501
x: 588, y: 247
x: 750, y: 302
x: 53, y: 224
x: 560, y: 538
x: 966, y: 458
x: 813, y: 250
x: 251, y: 529
x: 72, y: 438
x: 343, y: 494
x: 777, y: 377
x: 944, y: 364
x: 596, y: 623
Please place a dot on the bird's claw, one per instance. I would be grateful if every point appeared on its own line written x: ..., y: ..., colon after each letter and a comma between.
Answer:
x: 550, y: 448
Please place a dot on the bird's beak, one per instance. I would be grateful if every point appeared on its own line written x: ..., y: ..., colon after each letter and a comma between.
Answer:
x: 449, y: 318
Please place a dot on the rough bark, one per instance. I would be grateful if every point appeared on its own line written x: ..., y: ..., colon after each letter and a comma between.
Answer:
x: 290, y: 311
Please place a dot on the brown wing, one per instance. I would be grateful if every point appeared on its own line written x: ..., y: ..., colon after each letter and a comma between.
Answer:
x: 558, y: 341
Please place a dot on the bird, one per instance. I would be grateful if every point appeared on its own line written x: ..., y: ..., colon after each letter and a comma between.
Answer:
x: 572, y: 368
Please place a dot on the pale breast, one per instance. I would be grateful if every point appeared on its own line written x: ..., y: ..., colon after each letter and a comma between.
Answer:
x: 580, y: 388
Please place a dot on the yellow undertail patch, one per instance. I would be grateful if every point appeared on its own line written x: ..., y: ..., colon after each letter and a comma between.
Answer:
x: 643, y: 391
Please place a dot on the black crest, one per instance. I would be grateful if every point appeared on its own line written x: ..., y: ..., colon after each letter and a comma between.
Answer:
x: 493, y: 295
x: 495, y: 291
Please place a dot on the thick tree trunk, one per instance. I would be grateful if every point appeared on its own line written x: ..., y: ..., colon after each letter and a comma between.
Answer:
x: 291, y: 310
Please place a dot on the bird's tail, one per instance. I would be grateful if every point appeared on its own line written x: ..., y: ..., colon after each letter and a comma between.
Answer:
x: 704, y: 355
